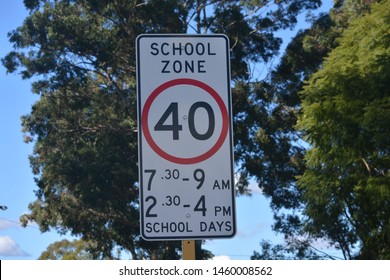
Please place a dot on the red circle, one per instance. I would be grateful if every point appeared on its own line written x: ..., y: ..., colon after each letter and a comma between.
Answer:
x: 181, y: 160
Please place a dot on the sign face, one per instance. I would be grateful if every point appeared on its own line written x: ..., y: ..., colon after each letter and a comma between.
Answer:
x: 185, y: 137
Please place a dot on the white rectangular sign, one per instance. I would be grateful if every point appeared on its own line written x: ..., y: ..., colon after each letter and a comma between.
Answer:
x: 185, y: 137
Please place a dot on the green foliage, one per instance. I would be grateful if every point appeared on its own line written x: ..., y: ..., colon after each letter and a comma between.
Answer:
x: 346, y: 117
x: 278, y: 143
x: 67, y: 250
x: 303, y: 57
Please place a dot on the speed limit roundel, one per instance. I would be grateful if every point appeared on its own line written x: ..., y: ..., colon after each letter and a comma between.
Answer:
x: 185, y: 137
x: 192, y: 128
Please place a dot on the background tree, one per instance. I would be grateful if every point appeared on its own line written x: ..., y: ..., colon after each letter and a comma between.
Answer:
x: 303, y: 57
x: 81, y: 56
x: 67, y: 250
x: 346, y: 118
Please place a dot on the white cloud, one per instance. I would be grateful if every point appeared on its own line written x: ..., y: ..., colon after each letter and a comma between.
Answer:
x: 8, y: 247
x: 5, y: 224
x: 253, y: 231
x: 254, y: 189
x: 221, y: 258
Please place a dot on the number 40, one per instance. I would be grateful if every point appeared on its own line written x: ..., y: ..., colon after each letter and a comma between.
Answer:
x: 174, y: 126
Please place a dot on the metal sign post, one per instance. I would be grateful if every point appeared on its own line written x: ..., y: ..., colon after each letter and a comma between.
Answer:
x: 185, y: 137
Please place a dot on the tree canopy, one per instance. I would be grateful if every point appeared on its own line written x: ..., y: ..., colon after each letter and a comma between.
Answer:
x: 304, y: 56
x: 67, y: 250
x: 346, y: 118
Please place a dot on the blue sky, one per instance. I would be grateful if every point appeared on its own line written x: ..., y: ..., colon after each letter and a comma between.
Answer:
x: 17, y: 186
